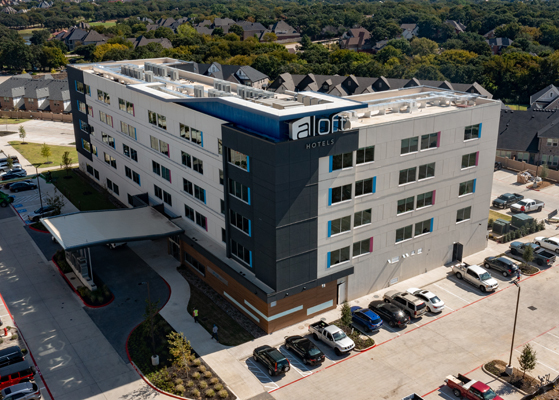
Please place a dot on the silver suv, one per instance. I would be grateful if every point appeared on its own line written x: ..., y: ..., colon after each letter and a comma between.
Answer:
x: 413, y: 306
x: 21, y: 391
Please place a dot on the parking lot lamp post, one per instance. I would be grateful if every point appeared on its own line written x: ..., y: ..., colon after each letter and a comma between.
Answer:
x: 509, y: 368
x: 37, y: 165
x: 154, y: 357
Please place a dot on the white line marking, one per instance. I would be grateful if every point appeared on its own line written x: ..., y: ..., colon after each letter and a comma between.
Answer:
x: 451, y: 293
x: 445, y: 306
x: 390, y: 329
x: 553, y: 335
x: 554, y: 352
x: 416, y: 324
x: 539, y: 362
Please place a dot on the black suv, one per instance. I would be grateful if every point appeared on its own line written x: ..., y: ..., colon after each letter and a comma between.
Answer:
x: 273, y: 360
x: 392, y: 314
x: 504, y: 265
x: 305, y: 349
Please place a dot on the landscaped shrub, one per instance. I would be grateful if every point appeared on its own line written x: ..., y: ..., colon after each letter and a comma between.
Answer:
x: 180, y: 388
x: 162, y: 379
x: 203, y: 385
x: 197, y: 362
x: 223, y: 393
x: 189, y: 384
x: 14, y: 337
x: 490, y: 223
x: 196, y: 375
x: 213, y: 381
x: 208, y: 374
x: 178, y: 381
x: 218, y: 387
x: 210, y: 393
x: 23, y: 351
x: 195, y: 393
x: 202, y: 368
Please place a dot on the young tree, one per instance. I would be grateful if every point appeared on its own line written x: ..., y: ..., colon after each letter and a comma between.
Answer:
x: 67, y: 161
x: 528, y: 254
x: 149, y: 316
x: 22, y: 133
x: 180, y: 349
x: 55, y: 200
x: 346, y: 314
x: 527, y: 359
x: 46, y: 151
x: 544, y: 172
x: 9, y: 162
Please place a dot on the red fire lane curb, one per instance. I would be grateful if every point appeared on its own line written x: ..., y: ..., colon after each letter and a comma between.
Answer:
x: 28, y: 348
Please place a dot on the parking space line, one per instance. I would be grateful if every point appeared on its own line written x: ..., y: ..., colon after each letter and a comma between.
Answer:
x: 259, y: 373
x: 539, y: 362
x: 390, y: 329
x: 293, y: 360
x: 448, y: 307
x: 451, y: 293
x: 553, y: 335
x: 554, y: 352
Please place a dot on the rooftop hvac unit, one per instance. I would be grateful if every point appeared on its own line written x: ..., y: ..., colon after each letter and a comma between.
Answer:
x: 123, y: 69
x: 163, y: 71
x: 149, y: 76
x: 226, y: 87
x: 212, y: 92
x: 217, y: 84
x: 148, y: 66
x: 175, y: 75
x: 241, y: 91
x: 198, y: 91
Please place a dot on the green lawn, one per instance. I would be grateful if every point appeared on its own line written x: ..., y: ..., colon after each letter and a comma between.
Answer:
x: 29, y: 31
x: 105, y: 24
x: 32, y: 152
x: 519, y: 107
x: 79, y: 191
x: 494, y: 215
x: 10, y: 121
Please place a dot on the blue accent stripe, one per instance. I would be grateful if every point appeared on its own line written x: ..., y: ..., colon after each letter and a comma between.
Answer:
x: 204, y: 196
x: 475, y: 180
x: 250, y: 255
x: 330, y: 196
x: 374, y: 184
x: 431, y: 228
x: 331, y: 163
x: 329, y: 228
x: 249, y: 228
x: 328, y: 260
x: 248, y: 195
x: 248, y: 164
x: 202, y: 138
x: 320, y: 307
x: 479, y: 132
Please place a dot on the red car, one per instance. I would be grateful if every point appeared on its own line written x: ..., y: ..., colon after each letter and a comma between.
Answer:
x: 468, y: 388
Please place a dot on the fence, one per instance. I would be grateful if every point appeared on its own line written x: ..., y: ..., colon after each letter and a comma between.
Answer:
x: 515, y: 165
x: 46, y: 116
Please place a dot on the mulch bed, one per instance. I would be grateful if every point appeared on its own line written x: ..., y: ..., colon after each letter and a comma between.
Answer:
x: 528, y: 384
x: 529, y: 269
x: 355, y: 335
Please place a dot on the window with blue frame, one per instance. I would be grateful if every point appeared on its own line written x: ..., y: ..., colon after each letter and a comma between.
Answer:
x: 241, y: 253
x: 239, y: 222
x: 338, y: 256
x: 423, y: 227
x: 239, y: 190
x: 472, y: 132
x: 467, y: 187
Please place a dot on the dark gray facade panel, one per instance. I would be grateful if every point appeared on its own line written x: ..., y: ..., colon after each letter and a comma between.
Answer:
x: 73, y: 76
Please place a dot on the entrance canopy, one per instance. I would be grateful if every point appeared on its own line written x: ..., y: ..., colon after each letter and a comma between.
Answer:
x: 90, y: 228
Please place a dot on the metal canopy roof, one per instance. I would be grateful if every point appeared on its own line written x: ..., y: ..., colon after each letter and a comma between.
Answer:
x: 85, y: 229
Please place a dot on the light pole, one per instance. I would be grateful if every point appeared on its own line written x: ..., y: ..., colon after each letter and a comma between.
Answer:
x: 509, y: 369
x: 37, y: 165
x: 154, y: 357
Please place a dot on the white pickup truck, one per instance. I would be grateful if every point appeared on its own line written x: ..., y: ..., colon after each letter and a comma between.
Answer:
x: 527, y: 205
x: 477, y: 276
x: 332, y: 336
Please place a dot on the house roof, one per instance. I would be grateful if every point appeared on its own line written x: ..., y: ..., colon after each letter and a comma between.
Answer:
x: 460, y: 27
x: 94, y: 36
x: 77, y: 34
x: 223, y: 22
x: 282, y: 26
x: 251, y: 26
x: 408, y: 27
x: 202, y: 30
x: 536, y: 97
x: 498, y: 41
x: 36, y: 89
x: 59, y: 90
x: 520, y: 130
x: 15, y: 86
x: 143, y: 41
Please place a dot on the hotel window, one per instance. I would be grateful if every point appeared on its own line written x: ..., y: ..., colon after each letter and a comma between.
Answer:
x: 188, y: 212
x: 108, y: 139
x: 362, y: 218
x: 82, y: 107
x: 221, y: 177
x: 222, y: 206
x: 186, y: 160
x: 90, y: 111
x: 341, y: 161
x: 128, y: 130
x: 366, y: 186
x: 472, y: 132
x: 241, y: 253
x: 404, y: 233
x: 166, y: 173
x: 409, y: 145
x: 429, y: 141
x: 112, y: 186
x: 340, y: 193
x: 219, y: 146
x: 167, y: 198
x: 200, y: 193
x: 157, y: 119
x: 469, y: 160
x: 198, y: 165
x: 106, y: 118
x: 201, y: 220
x: 158, y: 192
x: 362, y: 247
x: 136, y: 177
x: 159, y: 145
x: 128, y: 172
x: 86, y: 145
x: 425, y: 199
x: 463, y: 214
x: 405, y: 205
x: 552, y: 142
x: 240, y: 191
x: 338, y: 256
x: 184, y: 131
x: 89, y: 169
x: 104, y: 97
x: 127, y: 106
x: 223, y: 235
x: 133, y: 154
x: 426, y: 171
x: 240, y: 222
x: 195, y: 264
x: 407, y: 175
x: 110, y: 160
x: 115, y: 189
x: 80, y: 87
x: 365, y: 155
x: 239, y: 159
x: 467, y: 187
x: 196, y: 137
x: 126, y: 150
x: 84, y: 126
x: 156, y: 168
x: 423, y: 227
x: 187, y: 187
x: 340, y: 225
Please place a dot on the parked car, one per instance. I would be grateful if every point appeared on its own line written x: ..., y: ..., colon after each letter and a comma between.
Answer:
x: 305, y: 349
x: 505, y: 200
x: 10, y: 355
x: 332, y: 336
x: 504, y: 265
x: 412, y: 305
x: 45, y: 211
x: 15, y: 166
x: 9, y: 184
x: 541, y: 256
x: 434, y: 303
x: 22, y: 391
x: 527, y: 206
x: 16, y: 373
x: 273, y: 360
x: 22, y: 186
x: 551, y: 243
x: 5, y: 199
x: 366, y: 318
x: 477, y: 276
x: 394, y: 315
x: 467, y: 388
x: 20, y: 173
x: 498, y: 165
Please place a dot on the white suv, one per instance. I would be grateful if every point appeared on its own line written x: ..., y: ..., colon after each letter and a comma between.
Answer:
x: 22, y: 391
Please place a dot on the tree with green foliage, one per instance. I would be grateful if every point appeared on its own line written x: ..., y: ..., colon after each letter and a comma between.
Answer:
x: 527, y: 359
x: 66, y: 161
x: 346, y: 314
x: 53, y: 58
x: 528, y: 255
x: 39, y: 37
x: 544, y: 172
x: 151, y: 310
x: 46, y: 151
x: 237, y: 30
x: 9, y: 163
x: 181, y: 351
x: 22, y: 134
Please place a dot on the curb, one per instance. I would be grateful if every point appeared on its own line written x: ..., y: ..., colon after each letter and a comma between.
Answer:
x: 37, y: 230
x: 502, y: 380
x: 78, y: 293
x: 365, y: 349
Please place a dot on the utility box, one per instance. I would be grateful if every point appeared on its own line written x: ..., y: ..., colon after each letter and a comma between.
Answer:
x: 520, y: 220
x: 501, y: 227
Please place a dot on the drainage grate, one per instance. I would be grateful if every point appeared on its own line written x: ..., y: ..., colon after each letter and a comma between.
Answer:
x: 532, y: 308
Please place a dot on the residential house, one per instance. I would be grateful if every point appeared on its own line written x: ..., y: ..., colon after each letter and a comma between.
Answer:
x: 498, y: 44
x: 242, y: 74
x: 357, y: 39
x: 379, y: 46
x: 76, y: 36
x: 40, y: 93
x: 45, y: 4
x: 546, y: 99
x: 223, y: 22
x: 251, y: 28
x: 285, y: 32
x: 143, y: 41
x: 458, y: 26
x: 409, y: 30
x: 9, y: 10
x: 83, y: 25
